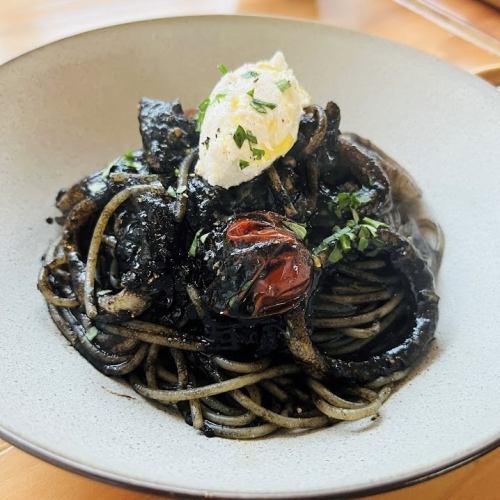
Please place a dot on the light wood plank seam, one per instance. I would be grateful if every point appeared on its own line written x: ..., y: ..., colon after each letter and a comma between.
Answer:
x: 5, y: 450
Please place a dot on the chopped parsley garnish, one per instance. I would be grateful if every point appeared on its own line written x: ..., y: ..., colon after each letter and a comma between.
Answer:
x: 351, y: 201
x: 244, y: 164
x: 219, y: 97
x: 299, y: 229
x: 251, y: 138
x: 171, y: 192
x: 198, y: 238
x: 222, y: 68
x: 257, y: 153
x: 194, y: 244
x: 241, y: 135
x: 259, y: 105
x: 250, y: 74
x: 127, y: 160
x: 105, y: 172
x: 361, y: 236
x: 200, y: 115
x: 91, y: 333
x: 236, y: 300
x: 283, y: 84
x: 129, y: 155
x: 181, y: 189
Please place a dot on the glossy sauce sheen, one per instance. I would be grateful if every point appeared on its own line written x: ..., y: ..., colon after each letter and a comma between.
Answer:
x: 286, y: 276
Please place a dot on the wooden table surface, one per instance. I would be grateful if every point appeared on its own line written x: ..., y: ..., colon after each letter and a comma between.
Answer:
x: 464, y: 32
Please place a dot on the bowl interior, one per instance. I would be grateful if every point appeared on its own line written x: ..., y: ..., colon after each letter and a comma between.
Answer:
x: 69, y: 108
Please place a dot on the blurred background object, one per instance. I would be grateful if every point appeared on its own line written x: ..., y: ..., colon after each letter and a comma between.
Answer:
x: 462, y: 32
x: 490, y: 73
x: 494, y: 3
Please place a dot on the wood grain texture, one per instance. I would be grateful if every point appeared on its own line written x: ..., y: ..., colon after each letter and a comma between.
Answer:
x: 23, y: 476
x: 26, y: 24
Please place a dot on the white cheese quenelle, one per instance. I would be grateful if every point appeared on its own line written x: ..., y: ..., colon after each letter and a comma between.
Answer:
x: 250, y: 119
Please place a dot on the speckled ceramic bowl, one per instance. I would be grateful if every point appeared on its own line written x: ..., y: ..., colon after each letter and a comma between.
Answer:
x: 68, y: 108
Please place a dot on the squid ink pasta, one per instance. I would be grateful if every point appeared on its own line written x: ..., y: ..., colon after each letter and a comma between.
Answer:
x: 251, y: 267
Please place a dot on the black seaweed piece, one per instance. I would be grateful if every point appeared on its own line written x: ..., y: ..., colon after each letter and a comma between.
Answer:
x: 204, y: 207
x: 326, y: 156
x: 172, y: 306
x: 167, y: 134
x: 208, y: 204
x: 307, y: 126
x: 250, y: 196
x: 146, y: 232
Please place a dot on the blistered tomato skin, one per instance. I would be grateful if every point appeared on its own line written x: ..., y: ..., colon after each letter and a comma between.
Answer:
x: 266, y: 270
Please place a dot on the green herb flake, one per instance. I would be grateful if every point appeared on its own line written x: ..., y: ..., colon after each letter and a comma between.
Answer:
x: 244, y: 164
x: 193, y: 249
x: 233, y: 302
x: 336, y: 255
x: 239, y: 136
x: 181, y: 189
x: 129, y: 155
x: 200, y: 115
x: 251, y: 138
x: 219, y: 97
x: 283, y: 85
x: 345, y: 242
x: 369, y: 230
x: 354, y: 235
x: 91, y: 333
x: 374, y: 223
x: 106, y: 171
x: 355, y: 215
x: 363, y: 196
x: 258, y: 154
x: 171, y: 192
x: 203, y: 237
x: 299, y: 229
x: 346, y: 201
x: 258, y: 104
x: 222, y: 68
x: 363, y: 244
x: 250, y: 74
x: 236, y: 299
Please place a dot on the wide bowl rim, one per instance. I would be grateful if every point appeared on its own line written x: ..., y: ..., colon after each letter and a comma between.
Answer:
x: 177, y: 492
x: 182, y: 492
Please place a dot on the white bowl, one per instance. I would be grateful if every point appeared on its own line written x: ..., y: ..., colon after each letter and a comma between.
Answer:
x: 70, y: 107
